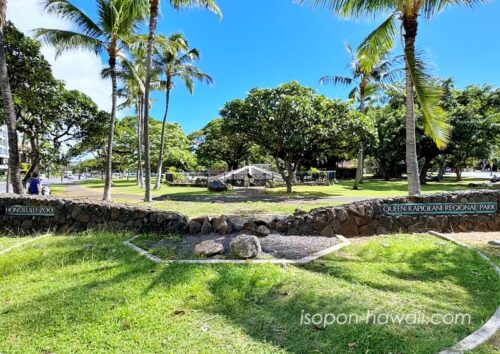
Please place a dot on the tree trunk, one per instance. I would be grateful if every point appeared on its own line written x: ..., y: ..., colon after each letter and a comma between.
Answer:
x: 111, y: 133
x: 458, y: 172
x: 140, y: 177
x: 153, y: 18
x: 9, y: 113
x: 362, y: 109
x: 425, y: 170
x: 410, y: 25
x: 442, y: 169
x: 359, y: 170
x: 35, y: 160
x: 162, y: 137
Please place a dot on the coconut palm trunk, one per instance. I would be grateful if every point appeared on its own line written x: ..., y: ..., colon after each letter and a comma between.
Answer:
x: 139, y: 177
x: 359, y: 169
x: 111, y: 133
x: 162, y: 137
x: 153, y: 19
x: 410, y: 25
x: 9, y: 112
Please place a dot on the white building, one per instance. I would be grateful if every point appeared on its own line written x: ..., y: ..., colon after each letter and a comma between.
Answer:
x: 4, y: 149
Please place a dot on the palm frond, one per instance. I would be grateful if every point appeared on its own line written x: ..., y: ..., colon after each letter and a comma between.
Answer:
x: 355, y: 8
x: 377, y: 44
x: 336, y: 80
x: 210, y: 5
x: 64, y: 9
x: 68, y: 40
x: 431, y: 8
x: 429, y: 95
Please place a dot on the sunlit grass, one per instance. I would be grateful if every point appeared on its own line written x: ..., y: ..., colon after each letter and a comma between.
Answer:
x: 90, y: 293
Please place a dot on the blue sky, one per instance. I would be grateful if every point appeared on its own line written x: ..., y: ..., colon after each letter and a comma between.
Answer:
x: 268, y: 42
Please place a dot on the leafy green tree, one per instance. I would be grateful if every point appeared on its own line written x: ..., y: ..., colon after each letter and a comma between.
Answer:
x: 176, y: 60
x: 153, y: 19
x: 8, y: 109
x: 476, y: 127
x: 367, y: 83
x: 34, y: 90
x: 117, y: 20
x: 213, y: 143
x: 290, y: 122
x: 418, y: 81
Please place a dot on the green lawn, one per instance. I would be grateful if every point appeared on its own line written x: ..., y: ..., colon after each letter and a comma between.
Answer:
x: 279, y: 202
x: 90, y: 293
x: 376, y: 188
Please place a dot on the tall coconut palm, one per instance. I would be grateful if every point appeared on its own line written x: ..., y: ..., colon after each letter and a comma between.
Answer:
x: 117, y: 20
x: 177, y: 63
x: 366, y: 84
x: 153, y: 19
x: 418, y: 84
x: 131, y: 74
x: 8, y: 109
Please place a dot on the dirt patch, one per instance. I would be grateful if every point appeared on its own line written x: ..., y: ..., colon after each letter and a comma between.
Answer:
x: 274, y: 246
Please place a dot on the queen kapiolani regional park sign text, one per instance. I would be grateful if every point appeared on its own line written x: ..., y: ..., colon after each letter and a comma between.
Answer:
x: 25, y: 210
x: 440, y: 208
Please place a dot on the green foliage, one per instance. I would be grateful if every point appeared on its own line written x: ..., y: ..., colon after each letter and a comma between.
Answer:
x: 215, y: 142
x: 52, y: 119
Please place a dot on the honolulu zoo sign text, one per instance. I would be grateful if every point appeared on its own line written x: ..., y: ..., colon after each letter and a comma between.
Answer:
x: 440, y: 208
x: 24, y: 210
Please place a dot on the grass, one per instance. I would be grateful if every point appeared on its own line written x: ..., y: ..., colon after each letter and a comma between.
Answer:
x: 376, y: 188
x: 191, y: 200
x: 194, y: 209
x: 90, y: 293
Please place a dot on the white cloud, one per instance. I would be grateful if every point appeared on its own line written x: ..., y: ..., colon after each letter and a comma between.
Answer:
x: 80, y: 70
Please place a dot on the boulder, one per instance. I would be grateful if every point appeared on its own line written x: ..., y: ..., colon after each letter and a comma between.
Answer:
x: 262, y: 231
x: 245, y: 246
x: 217, y: 186
x: 220, y: 225
x: 208, y: 248
x: 194, y: 227
x: 236, y: 223
x: 206, y: 228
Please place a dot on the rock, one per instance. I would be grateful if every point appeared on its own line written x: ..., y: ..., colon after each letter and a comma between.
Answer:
x: 349, y: 228
x: 245, y: 246
x: 220, y: 225
x: 236, y: 223
x: 494, y: 243
x: 194, y: 227
x: 262, y: 231
x: 206, y: 228
x: 217, y: 186
x: 320, y: 221
x: 208, y: 248
x: 342, y: 214
x: 201, y: 219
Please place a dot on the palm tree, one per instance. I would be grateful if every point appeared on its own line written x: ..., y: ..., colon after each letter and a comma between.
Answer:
x: 418, y: 82
x: 132, y: 75
x: 178, y: 62
x: 8, y: 109
x: 153, y: 19
x: 117, y: 20
x: 367, y: 83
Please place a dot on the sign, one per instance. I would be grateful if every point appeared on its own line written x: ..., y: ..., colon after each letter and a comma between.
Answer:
x: 440, y: 208
x: 24, y: 210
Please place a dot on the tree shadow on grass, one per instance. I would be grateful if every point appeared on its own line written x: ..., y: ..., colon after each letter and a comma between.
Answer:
x: 265, y: 302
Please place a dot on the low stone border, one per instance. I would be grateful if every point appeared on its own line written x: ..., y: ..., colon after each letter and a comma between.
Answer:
x: 484, y: 333
x: 343, y: 242
x: 17, y: 245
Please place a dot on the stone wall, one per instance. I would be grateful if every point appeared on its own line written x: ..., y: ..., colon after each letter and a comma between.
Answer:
x: 76, y: 215
x: 356, y: 219
x: 367, y: 218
